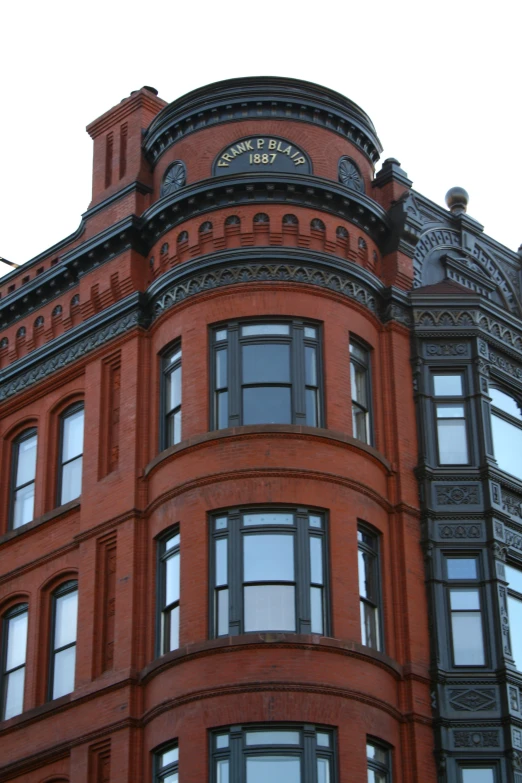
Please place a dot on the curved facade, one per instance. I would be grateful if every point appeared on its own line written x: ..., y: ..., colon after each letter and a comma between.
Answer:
x: 212, y: 530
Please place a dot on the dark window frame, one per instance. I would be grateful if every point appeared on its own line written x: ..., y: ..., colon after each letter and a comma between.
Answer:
x: 13, y: 487
x: 70, y: 586
x: 374, y: 551
x: 448, y: 399
x: 385, y: 769
x: 506, y: 417
x: 303, y: 533
x: 159, y: 773
x: 167, y: 369
x: 517, y: 595
x: 71, y: 410
x: 13, y: 611
x: 463, y: 584
x: 162, y: 621
x: 463, y: 765
x: 366, y: 367
x: 307, y: 750
x: 297, y: 341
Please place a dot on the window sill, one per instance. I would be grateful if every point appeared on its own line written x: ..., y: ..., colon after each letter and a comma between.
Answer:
x: 260, y: 430
x: 73, y: 505
x: 289, y: 640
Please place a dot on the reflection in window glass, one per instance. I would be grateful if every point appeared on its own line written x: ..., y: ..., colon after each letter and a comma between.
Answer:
x: 71, y: 455
x: 169, y: 565
x: 172, y: 397
x: 514, y: 579
x: 369, y: 592
x: 24, y: 469
x: 167, y: 766
x: 451, y: 419
x: 63, y: 653
x: 360, y: 383
x: 378, y: 761
x: 466, y: 627
x: 478, y: 775
x: 14, y: 633
x: 462, y: 567
x: 506, y: 425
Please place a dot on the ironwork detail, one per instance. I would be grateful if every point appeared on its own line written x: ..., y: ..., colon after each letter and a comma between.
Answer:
x: 350, y: 176
x: 174, y: 178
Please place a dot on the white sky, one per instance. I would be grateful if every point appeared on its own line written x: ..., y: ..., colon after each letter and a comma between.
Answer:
x: 441, y: 82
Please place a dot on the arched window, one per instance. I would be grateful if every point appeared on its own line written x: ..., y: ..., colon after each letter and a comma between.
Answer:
x: 14, y: 645
x: 71, y: 454
x: 506, y: 424
x: 171, y: 430
x: 23, y: 478
x: 63, y: 639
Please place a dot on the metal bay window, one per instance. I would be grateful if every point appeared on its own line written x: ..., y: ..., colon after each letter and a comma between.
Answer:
x: 23, y: 478
x: 280, y: 754
x: 269, y: 572
x: 450, y: 413
x: 169, y: 588
x: 266, y: 373
x: 506, y: 425
x: 14, y: 638
x: 465, y: 611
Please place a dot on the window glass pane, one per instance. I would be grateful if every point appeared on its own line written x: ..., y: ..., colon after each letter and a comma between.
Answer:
x: 16, y: 641
x: 174, y: 628
x: 221, y: 561
x: 323, y: 771
x: 266, y: 363
x: 316, y: 609
x: 468, y: 646
x: 169, y: 757
x: 66, y: 612
x: 268, y: 558
x: 253, y: 329
x: 272, y: 737
x: 316, y: 560
x: 267, y: 405
x: 221, y: 334
x: 269, y: 608
x: 462, y: 567
x: 358, y: 352
x: 63, y: 681
x: 310, y: 331
x: 377, y: 777
x: 222, y: 410
x: 323, y: 739
x: 311, y: 407
x: 507, y: 445
x: 221, y: 523
x: 315, y: 521
x: 369, y: 626
x: 71, y: 480
x: 360, y: 424
x: 222, y: 771
x: 367, y: 585
x: 174, y: 389
x: 514, y: 577
x: 173, y: 778
x: 276, y: 769
x: 310, y: 366
x: 172, y: 579
x: 14, y: 693
x: 464, y: 599
x: 221, y: 369
x: 453, y: 445
x: 475, y: 775
x: 359, y: 376
x: 23, y: 506
x: 26, y: 460
x: 375, y: 753
x: 222, y: 613
x: 268, y: 519
x: 447, y: 385
x: 172, y: 542
x: 446, y: 410
x: 72, y: 444
x: 515, y: 629
x: 222, y: 741
x: 174, y: 357
x: 506, y: 403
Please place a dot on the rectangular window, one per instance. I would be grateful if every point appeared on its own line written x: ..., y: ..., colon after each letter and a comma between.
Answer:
x: 169, y: 562
x: 71, y: 454
x: 514, y: 579
x: 172, y: 397
x: 269, y: 572
x: 266, y: 373
x: 14, y: 636
x: 465, y: 612
x: 450, y: 413
x: 506, y: 425
x: 369, y: 588
x: 279, y: 754
x: 480, y: 774
x: 378, y: 760
x: 361, y: 401
x: 166, y: 765
x: 63, y: 642
x: 23, y: 481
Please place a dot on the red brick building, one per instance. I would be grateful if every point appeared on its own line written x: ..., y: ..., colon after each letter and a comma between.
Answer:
x: 211, y: 529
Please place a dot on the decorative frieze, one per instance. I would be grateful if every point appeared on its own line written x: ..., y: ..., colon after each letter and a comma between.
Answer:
x: 473, y: 699
x: 459, y: 495
x: 457, y: 531
x: 447, y: 349
x: 477, y: 739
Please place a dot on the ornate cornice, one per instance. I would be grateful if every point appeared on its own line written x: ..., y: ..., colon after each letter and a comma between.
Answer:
x: 261, y: 98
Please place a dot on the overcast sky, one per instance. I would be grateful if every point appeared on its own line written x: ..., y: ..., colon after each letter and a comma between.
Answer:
x: 441, y: 82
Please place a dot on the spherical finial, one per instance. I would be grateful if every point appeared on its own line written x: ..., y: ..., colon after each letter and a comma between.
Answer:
x: 457, y: 200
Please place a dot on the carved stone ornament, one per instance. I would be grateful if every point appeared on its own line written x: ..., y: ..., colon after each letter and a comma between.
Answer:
x: 174, y: 179
x: 446, y: 349
x: 515, y: 370
x: 514, y: 702
x: 513, y: 540
x: 477, y: 739
x: 458, y: 496
x: 460, y: 531
x: 499, y: 552
x: 516, y: 738
x: 350, y: 176
x: 473, y: 699
x: 516, y: 760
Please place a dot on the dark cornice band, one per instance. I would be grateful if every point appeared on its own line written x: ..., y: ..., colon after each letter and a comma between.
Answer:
x: 259, y: 98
